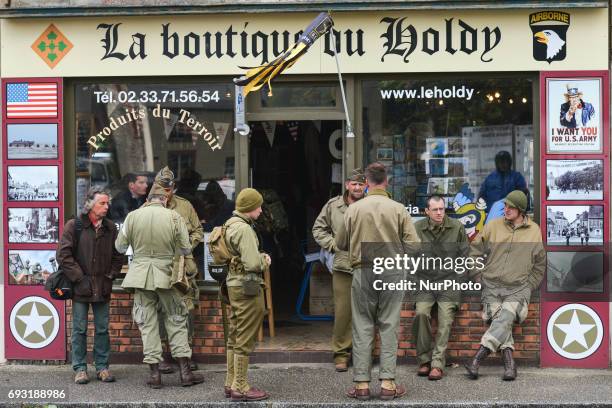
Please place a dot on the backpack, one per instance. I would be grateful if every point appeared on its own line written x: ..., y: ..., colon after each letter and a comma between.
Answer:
x: 58, y: 285
x: 219, y: 251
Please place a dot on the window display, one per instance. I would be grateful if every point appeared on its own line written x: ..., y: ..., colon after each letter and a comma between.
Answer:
x: 465, y: 146
x: 127, y: 132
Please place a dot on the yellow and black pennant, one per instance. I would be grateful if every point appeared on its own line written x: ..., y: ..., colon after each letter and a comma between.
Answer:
x: 257, y: 77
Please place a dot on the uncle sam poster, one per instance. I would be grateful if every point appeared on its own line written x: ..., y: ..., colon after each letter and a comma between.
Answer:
x: 574, y: 115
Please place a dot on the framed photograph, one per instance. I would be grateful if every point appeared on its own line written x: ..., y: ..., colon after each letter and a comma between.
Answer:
x: 455, y: 146
x: 33, y: 183
x: 575, y: 272
x: 437, y: 146
x: 575, y: 225
x: 574, y: 115
x: 574, y: 179
x: 436, y: 185
x: 384, y: 153
x: 437, y: 167
x: 30, y: 267
x: 454, y: 184
x: 458, y: 166
x: 31, y: 141
x: 33, y: 225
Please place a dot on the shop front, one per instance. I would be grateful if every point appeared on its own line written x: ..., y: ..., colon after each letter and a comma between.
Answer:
x: 439, y: 97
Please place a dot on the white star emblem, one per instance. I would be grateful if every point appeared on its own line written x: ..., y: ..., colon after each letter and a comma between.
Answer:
x: 575, y: 331
x: 34, y: 322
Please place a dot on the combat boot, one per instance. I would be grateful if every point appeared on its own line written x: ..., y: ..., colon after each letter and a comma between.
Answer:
x: 166, y: 366
x: 188, y: 378
x: 472, y: 368
x: 241, y: 390
x: 509, y: 365
x: 154, y: 380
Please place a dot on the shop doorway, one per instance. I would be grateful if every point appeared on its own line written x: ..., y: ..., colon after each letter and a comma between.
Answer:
x: 297, y: 165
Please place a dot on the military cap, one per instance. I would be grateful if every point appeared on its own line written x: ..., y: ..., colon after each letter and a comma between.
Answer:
x: 357, y: 175
x: 165, y: 178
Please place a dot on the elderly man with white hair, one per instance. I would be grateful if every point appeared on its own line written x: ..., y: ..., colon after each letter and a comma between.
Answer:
x: 87, y: 254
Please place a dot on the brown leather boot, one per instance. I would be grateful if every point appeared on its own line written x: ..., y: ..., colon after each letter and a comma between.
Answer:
x: 187, y: 377
x: 509, y: 365
x: 480, y: 355
x: 253, y: 394
x: 154, y: 380
x: 193, y: 366
x: 166, y: 366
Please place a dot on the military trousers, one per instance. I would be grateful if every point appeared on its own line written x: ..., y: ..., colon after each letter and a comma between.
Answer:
x: 429, y: 349
x: 191, y: 301
x: 502, y: 307
x: 247, y: 313
x: 145, y: 315
x: 371, y: 308
x: 342, y: 340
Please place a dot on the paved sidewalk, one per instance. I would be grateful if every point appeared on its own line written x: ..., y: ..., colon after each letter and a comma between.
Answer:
x: 317, y: 385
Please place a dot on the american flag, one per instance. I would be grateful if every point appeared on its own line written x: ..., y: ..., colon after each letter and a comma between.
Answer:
x: 36, y: 100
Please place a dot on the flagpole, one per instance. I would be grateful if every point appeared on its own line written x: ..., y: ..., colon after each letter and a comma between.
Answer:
x: 349, y: 127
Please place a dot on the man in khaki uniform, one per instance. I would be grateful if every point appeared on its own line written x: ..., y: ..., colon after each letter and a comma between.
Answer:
x: 514, y: 267
x: 385, y: 224
x: 441, y: 237
x: 156, y: 234
x: 324, y: 230
x: 165, y: 179
x: 244, y: 286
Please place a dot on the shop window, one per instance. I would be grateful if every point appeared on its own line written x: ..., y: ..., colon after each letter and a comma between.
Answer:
x: 127, y: 132
x: 443, y: 137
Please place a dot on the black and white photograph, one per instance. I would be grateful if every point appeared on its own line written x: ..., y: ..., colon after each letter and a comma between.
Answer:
x: 574, y: 225
x: 33, y: 225
x: 32, y: 183
x: 574, y: 272
x: 30, y: 267
x: 32, y: 141
x: 574, y: 179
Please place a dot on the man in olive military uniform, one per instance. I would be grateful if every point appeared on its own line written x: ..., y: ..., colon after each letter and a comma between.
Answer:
x: 386, y: 225
x: 515, y: 265
x: 244, y: 286
x: 165, y: 179
x: 441, y: 237
x: 156, y: 234
x: 324, y: 230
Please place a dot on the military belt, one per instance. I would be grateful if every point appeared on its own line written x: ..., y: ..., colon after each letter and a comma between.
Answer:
x: 153, y: 255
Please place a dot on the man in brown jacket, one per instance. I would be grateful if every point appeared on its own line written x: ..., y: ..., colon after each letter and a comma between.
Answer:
x: 515, y: 266
x: 91, y: 264
x: 380, y: 227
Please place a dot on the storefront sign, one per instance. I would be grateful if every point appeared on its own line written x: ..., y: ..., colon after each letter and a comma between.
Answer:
x: 574, y: 112
x: 505, y: 40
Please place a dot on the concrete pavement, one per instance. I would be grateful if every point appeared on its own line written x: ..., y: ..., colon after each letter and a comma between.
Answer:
x: 312, y: 385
